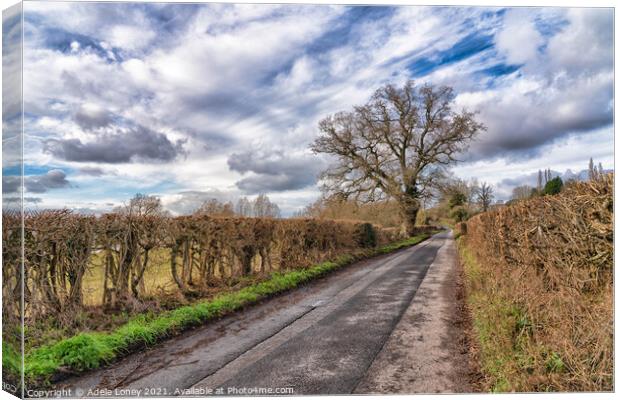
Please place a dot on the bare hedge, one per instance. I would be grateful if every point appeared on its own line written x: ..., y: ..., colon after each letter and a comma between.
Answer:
x: 59, y: 247
x: 551, y: 257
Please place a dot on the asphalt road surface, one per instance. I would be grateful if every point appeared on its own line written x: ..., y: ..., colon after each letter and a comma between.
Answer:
x: 319, y: 339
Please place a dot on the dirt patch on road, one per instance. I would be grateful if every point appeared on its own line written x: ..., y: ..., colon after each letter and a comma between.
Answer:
x: 429, y: 350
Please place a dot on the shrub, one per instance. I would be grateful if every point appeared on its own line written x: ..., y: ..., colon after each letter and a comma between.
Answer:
x: 554, y: 186
x: 457, y: 199
x: 459, y: 214
x: 366, y: 235
x: 551, y: 259
x: 61, y: 247
x: 460, y: 229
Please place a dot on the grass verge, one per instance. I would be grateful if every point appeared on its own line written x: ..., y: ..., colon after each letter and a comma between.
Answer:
x: 500, y: 329
x: 91, y: 350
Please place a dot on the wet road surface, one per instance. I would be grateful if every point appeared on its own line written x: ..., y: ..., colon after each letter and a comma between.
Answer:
x: 318, y: 339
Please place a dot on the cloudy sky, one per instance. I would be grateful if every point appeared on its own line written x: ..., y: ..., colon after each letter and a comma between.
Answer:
x: 192, y: 101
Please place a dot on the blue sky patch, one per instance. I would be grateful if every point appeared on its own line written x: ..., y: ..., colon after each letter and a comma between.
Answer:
x: 499, y: 70
x: 32, y: 170
x: 467, y: 47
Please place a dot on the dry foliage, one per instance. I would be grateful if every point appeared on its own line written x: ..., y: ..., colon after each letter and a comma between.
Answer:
x: 11, y: 269
x: 60, y: 248
x: 551, y: 259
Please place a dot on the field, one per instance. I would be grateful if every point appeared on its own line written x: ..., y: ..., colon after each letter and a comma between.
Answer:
x: 157, y: 278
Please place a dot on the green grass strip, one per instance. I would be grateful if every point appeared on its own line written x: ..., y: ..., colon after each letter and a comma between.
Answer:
x: 11, y: 359
x: 495, y: 321
x: 93, y: 349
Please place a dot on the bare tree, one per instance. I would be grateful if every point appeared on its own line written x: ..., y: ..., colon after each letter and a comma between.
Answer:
x: 522, y: 192
x: 591, y: 170
x: 396, y: 146
x: 142, y: 205
x: 548, y: 175
x: 244, y: 207
x: 130, y: 233
x: 485, y: 196
x: 213, y: 207
x: 263, y: 207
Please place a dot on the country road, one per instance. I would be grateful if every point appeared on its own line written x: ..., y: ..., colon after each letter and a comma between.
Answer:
x: 376, y: 326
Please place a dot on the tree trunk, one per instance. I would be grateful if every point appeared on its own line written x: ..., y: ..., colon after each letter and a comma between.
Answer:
x: 247, y: 254
x: 138, y: 278
x: 75, y: 294
x: 129, y: 249
x: 187, y: 262
x: 409, y: 208
x: 107, y: 276
x: 173, y: 267
x: 265, y: 262
x: 409, y: 222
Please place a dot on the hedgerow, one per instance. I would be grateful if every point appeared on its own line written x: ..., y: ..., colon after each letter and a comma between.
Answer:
x: 539, y: 276
x: 90, y: 350
x: 61, y: 247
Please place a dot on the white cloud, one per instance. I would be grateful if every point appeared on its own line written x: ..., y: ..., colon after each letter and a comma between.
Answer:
x: 130, y: 37
x: 585, y: 45
x: 226, y: 78
x: 518, y: 38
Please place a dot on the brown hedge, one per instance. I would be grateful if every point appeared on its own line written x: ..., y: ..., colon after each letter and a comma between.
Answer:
x: 59, y: 248
x: 551, y: 258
